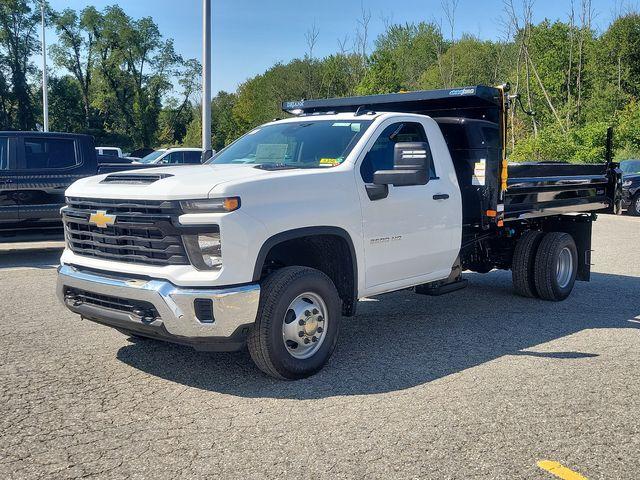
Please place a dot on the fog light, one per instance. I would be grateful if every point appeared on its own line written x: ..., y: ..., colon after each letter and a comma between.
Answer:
x: 204, y: 250
x: 210, y: 249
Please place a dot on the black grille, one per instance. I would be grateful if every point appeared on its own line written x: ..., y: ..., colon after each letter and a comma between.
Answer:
x: 137, y: 307
x: 143, y: 232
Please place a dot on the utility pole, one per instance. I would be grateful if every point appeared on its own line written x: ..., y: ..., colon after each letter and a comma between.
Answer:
x: 206, y: 80
x: 45, y: 95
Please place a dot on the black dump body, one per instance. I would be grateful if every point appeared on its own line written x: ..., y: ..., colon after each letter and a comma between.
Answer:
x: 473, y: 122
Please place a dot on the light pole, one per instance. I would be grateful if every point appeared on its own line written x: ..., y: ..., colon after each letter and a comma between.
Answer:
x: 206, y: 80
x: 45, y: 96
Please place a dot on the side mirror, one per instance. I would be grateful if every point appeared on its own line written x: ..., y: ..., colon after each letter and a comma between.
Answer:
x: 411, y: 165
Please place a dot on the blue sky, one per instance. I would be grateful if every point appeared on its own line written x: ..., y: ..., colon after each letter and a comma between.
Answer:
x: 251, y: 35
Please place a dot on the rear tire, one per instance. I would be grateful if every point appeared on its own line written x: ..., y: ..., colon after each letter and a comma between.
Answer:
x: 522, y: 266
x: 282, y: 309
x: 634, y: 207
x: 556, y: 266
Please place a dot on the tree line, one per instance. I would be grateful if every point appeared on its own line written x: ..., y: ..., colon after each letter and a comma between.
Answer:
x: 120, y: 80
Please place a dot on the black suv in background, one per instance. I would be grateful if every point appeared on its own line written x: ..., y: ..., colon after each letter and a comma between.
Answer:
x: 631, y: 186
x: 35, y: 170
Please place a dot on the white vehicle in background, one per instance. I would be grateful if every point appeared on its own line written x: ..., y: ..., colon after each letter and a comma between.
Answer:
x: 173, y: 156
x: 109, y: 151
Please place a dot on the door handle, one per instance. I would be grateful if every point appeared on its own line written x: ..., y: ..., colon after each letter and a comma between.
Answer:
x: 441, y: 196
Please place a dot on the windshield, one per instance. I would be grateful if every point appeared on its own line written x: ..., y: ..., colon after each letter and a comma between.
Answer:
x: 304, y: 144
x: 630, y: 166
x: 153, y: 156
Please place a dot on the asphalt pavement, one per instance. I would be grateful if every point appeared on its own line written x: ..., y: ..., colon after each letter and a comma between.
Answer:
x: 475, y: 384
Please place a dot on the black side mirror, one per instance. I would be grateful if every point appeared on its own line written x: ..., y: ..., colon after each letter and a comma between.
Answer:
x: 411, y: 165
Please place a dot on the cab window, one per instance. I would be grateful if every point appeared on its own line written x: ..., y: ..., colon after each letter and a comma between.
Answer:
x: 380, y: 157
x: 172, y: 158
x: 49, y: 153
x: 192, y: 158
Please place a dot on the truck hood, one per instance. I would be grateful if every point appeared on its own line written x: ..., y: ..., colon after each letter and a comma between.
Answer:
x: 165, y: 183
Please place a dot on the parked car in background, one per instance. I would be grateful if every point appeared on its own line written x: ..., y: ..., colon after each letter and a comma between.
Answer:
x: 630, y: 167
x: 35, y: 170
x: 631, y: 186
x: 631, y: 194
x: 140, y: 153
x: 174, y: 156
x: 109, y: 151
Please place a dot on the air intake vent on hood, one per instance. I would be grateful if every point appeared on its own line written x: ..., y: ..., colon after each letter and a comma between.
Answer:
x: 135, y: 179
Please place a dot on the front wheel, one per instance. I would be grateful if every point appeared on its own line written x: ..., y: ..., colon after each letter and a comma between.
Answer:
x: 296, y: 329
x: 634, y: 207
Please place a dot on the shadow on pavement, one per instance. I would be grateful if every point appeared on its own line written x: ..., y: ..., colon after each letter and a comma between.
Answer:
x: 42, y: 259
x: 401, y: 340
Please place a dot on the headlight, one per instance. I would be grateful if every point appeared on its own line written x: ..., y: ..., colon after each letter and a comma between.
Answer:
x: 211, y: 205
x: 205, y: 250
x: 626, y: 183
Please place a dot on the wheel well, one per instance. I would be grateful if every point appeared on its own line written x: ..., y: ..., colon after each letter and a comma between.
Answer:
x: 332, y: 254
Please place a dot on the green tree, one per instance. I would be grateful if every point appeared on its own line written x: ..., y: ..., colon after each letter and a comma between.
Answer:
x: 133, y: 71
x: 616, y: 68
x: 75, y: 49
x: 66, y: 107
x: 382, y: 75
x: 224, y: 128
x: 18, y: 41
x: 413, y: 48
x: 471, y: 62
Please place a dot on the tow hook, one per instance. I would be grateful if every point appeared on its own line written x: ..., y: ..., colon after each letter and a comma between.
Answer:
x: 146, y: 316
x: 72, y: 300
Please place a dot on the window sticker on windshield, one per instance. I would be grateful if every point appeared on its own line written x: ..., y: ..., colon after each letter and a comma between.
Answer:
x: 329, y: 162
x: 270, y: 152
x: 355, y: 127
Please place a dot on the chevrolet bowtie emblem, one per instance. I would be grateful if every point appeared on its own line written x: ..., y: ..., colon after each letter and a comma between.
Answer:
x: 101, y: 220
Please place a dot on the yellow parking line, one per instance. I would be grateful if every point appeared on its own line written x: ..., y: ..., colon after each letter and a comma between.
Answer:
x: 559, y: 470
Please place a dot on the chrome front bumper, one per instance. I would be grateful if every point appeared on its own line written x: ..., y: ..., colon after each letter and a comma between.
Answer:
x: 107, y: 299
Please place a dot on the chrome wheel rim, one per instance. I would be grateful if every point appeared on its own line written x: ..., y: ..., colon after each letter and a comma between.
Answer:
x: 638, y: 204
x: 304, y: 325
x: 564, y: 268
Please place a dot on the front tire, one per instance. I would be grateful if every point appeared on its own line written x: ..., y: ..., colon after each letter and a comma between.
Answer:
x: 634, y: 207
x: 556, y: 266
x: 297, y: 325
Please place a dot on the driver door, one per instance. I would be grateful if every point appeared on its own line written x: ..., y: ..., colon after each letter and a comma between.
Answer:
x: 409, y: 235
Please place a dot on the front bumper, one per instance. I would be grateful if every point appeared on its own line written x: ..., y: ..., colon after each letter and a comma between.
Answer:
x: 159, y: 309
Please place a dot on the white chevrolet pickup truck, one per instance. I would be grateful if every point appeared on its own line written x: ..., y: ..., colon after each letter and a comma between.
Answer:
x: 274, y: 240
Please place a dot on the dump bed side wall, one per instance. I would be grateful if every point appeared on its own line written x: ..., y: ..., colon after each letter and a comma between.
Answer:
x: 536, y: 190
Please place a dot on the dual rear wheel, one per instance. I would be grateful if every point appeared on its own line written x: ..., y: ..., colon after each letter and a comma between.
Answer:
x: 545, y: 265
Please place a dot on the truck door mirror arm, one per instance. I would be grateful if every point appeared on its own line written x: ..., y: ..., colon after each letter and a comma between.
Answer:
x: 411, y: 165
